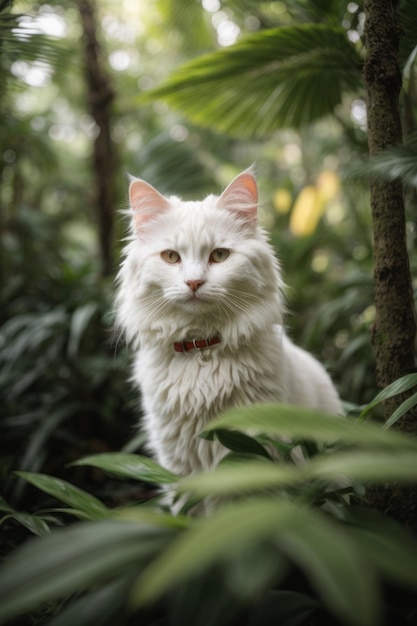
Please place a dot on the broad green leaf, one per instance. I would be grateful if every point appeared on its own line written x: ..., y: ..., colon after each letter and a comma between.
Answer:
x: 232, y: 478
x: 296, y: 74
x: 68, y: 560
x: 146, y: 515
x: 404, y: 407
x: 398, y: 386
x: 292, y: 421
x: 324, y: 552
x: 335, y: 567
x: 130, y: 466
x: 374, y: 466
x: 71, y: 495
x: 239, y: 442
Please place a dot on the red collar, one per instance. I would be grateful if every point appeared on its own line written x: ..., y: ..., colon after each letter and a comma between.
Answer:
x: 195, y: 344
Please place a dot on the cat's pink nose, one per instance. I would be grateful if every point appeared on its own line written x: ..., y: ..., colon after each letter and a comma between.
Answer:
x: 194, y: 284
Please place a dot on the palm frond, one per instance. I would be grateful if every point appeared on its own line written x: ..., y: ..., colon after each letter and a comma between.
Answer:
x: 188, y: 19
x: 173, y: 166
x: 330, y: 11
x: 21, y: 41
x: 282, y: 77
x: 396, y: 162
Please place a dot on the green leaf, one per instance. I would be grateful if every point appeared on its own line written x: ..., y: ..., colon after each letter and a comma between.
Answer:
x: 137, y: 441
x: 173, y: 167
x: 68, y: 560
x: 296, y: 74
x: 243, y: 477
x: 239, y: 442
x: 326, y: 555
x: 79, y: 322
x: 330, y: 558
x: 398, y: 386
x: 130, y: 466
x: 144, y: 514
x: 404, y: 407
x: 71, y: 495
x: 374, y: 466
x: 291, y: 421
x: 35, y: 525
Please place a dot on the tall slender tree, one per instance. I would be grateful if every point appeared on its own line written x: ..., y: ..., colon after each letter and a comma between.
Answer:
x: 393, y: 333
x: 394, y: 330
x: 100, y: 99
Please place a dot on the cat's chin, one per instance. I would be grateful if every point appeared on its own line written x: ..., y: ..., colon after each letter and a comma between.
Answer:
x: 196, y: 303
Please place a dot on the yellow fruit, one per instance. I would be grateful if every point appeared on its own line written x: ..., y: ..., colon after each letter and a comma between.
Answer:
x: 282, y: 201
x: 328, y: 184
x: 307, y: 211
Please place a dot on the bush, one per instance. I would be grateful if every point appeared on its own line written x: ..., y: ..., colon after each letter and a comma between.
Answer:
x: 286, y: 543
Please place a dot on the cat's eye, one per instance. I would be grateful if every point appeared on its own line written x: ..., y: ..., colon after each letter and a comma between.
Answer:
x: 170, y: 256
x: 219, y: 255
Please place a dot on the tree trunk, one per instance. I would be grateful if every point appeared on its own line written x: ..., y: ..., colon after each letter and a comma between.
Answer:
x: 394, y: 329
x: 100, y: 99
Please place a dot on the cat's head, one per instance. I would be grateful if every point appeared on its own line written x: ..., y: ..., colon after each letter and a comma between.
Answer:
x: 198, y: 267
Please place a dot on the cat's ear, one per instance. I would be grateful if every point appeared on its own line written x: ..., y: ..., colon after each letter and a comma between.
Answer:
x: 241, y: 196
x: 146, y: 202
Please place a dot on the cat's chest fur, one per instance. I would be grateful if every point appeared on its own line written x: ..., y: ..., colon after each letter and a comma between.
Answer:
x: 183, y: 392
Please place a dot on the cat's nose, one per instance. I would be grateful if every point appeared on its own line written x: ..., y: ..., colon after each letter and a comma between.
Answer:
x: 194, y: 284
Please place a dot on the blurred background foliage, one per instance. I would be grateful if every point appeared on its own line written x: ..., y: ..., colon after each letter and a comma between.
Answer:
x: 199, y: 91
x: 62, y: 379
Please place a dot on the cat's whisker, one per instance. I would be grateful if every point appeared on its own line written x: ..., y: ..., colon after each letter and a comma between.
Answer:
x: 155, y: 306
x: 244, y: 295
x: 232, y: 307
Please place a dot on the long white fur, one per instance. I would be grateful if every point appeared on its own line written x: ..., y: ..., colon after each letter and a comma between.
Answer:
x: 241, y: 300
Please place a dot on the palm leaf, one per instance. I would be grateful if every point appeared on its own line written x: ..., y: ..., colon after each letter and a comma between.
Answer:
x: 276, y: 78
x: 173, y: 167
x: 318, y: 10
x: 21, y: 41
x: 188, y: 19
x: 396, y: 162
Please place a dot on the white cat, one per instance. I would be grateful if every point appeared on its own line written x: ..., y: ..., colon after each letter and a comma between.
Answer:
x: 200, y: 297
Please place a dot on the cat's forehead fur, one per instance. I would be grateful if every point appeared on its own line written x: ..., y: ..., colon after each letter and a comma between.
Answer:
x: 194, y: 226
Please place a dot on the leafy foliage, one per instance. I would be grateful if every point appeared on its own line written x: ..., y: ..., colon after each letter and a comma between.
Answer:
x: 283, y: 519
x: 288, y: 69
x: 59, y: 372
x: 396, y: 162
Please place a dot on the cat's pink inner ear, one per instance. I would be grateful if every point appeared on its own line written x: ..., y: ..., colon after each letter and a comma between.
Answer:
x: 241, y: 196
x: 146, y: 202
